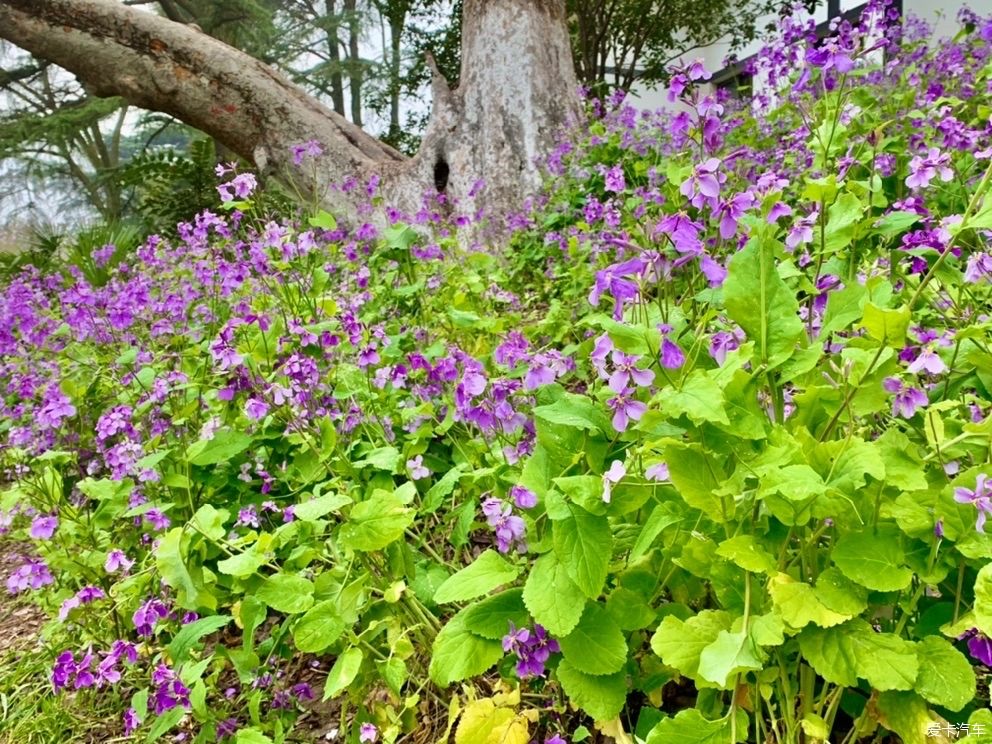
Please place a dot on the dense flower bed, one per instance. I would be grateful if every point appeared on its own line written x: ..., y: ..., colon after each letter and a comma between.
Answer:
x: 702, y: 457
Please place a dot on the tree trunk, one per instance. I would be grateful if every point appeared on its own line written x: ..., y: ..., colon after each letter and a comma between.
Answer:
x: 334, y: 53
x: 517, y: 90
x: 395, y: 86
x: 355, y: 71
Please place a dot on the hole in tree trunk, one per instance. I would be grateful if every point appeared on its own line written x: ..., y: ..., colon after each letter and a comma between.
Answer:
x: 441, y: 175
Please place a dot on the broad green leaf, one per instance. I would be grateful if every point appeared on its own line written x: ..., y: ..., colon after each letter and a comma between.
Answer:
x: 983, y: 600
x: 760, y: 302
x: 903, y: 467
x: 630, y: 609
x: 169, y: 559
x: 551, y: 597
x: 241, y: 564
x: 320, y: 506
x: 576, y: 411
x: 842, y: 219
x: 286, y: 593
x: 689, y: 727
x: 251, y: 736
x: 946, y: 677
x: 381, y: 458
x: 458, y: 653
x: 165, y: 723
x: 224, y: 445
x: 728, y: 655
x: 251, y: 613
x: 846, y: 652
x: 596, y: 645
x: 343, y: 672
x: 188, y: 635
x: 844, y: 306
x: 491, y: 617
x: 876, y: 561
x: 436, y: 493
x: 324, y: 220
x: 321, y: 626
x: 908, y: 715
x: 601, y: 696
x: 748, y: 553
x: 885, y: 325
x: 485, y: 722
x: 584, y: 490
x: 375, y: 523
x: 662, y: 516
x: 798, y: 604
x: 584, y: 545
x: 699, y: 397
x: 838, y: 593
x: 209, y: 522
x: 680, y: 642
x: 484, y: 574
x: 696, y: 476
x: 895, y: 223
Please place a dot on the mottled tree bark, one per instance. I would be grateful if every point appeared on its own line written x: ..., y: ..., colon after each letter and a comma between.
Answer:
x: 517, y: 91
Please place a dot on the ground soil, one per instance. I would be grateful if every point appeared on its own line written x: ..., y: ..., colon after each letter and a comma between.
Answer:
x: 20, y: 620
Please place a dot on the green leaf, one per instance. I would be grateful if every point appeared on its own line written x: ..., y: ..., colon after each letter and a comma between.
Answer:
x: 551, y: 597
x: 689, y: 727
x: 251, y: 736
x: 983, y: 600
x: 343, y: 672
x: 843, y: 308
x: 169, y: 560
x: 748, y: 553
x: 458, y: 653
x: 601, y: 696
x: 797, y: 604
x: 695, y: 477
x: 225, y: 444
x: 491, y: 617
x: 885, y: 325
x: 846, y: 652
x: 320, y: 506
x: 729, y: 654
x: 876, y: 561
x: 584, y: 546
x: 946, y: 677
x: 596, y: 645
x: 165, y: 722
x: 895, y: 223
x: 375, y: 523
x: 679, y: 643
x: 484, y: 574
x: 842, y: 219
x: 324, y: 220
x: 209, y: 522
x: 319, y: 627
x: 188, y: 635
x: 576, y: 411
x: 700, y: 398
x: 241, y: 564
x: 662, y: 516
x: 760, y: 302
x: 286, y: 593
x: 838, y: 593
x: 382, y: 458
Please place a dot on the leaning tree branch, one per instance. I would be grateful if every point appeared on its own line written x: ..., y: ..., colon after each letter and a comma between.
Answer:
x: 169, y: 67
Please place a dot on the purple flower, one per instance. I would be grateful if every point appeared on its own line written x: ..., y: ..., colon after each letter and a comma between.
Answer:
x: 928, y: 361
x: 169, y: 691
x: 247, y: 517
x: 368, y: 733
x: 117, y: 561
x: 907, y: 399
x: 979, y: 268
x: 625, y: 408
x: 723, y: 342
x: 626, y: 370
x: 556, y: 739
x: 683, y: 232
x: 157, y: 520
x: 42, y: 528
x: 981, y: 498
x: 256, y: 409
x: 32, y: 575
x: 510, y: 529
x: 532, y: 649
x: 147, y: 616
x: 310, y: 148
x: 938, y: 528
x: 614, y: 179
x: 84, y: 596
x: 980, y: 647
x: 229, y: 726
x: 703, y: 186
x: 611, y: 477
x: 672, y: 356
x: 778, y: 210
x: 924, y: 169
x: 657, y: 472
x: 601, y: 350
x: 418, y: 471
x: 131, y: 721
x: 524, y: 498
